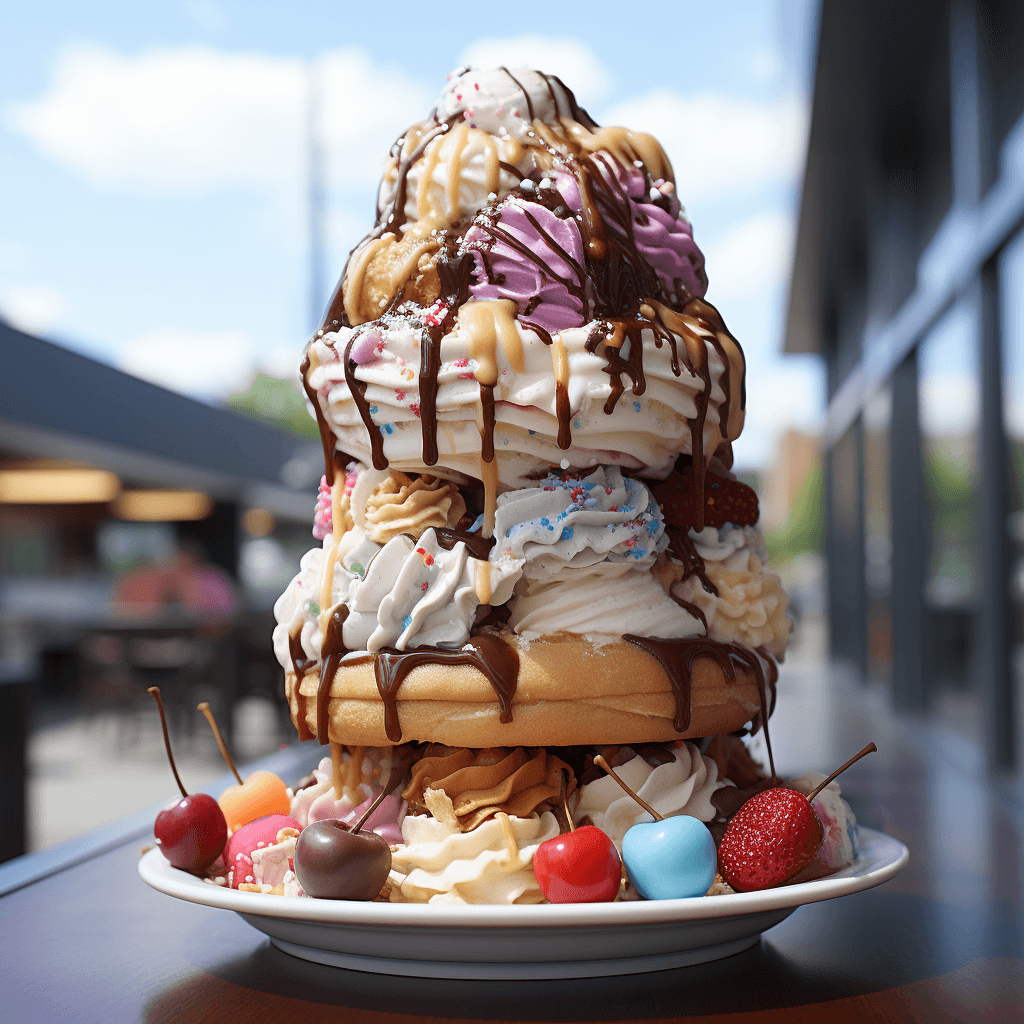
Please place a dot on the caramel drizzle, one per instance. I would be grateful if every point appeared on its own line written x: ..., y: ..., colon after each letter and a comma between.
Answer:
x: 496, y: 659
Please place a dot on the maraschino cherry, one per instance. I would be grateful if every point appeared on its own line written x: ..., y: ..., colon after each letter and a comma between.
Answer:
x: 578, y: 866
x: 192, y: 832
x: 335, y: 861
x: 774, y: 836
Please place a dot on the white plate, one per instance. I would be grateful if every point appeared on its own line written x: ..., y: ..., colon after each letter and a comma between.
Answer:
x: 579, y: 940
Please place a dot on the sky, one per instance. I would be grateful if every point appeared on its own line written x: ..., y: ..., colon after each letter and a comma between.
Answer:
x: 154, y: 182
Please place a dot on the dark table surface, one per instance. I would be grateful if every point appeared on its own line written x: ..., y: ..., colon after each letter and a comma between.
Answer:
x: 82, y: 938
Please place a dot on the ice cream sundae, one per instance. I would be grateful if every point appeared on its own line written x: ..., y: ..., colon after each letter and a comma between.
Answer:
x: 535, y: 568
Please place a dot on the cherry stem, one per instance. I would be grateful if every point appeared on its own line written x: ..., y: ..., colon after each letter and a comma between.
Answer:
x: 602, y: 763
x: 205, y: 708
x: 565, y: 802
x: 155, y: 691
x: 376, y: 803
x: 870, y: 748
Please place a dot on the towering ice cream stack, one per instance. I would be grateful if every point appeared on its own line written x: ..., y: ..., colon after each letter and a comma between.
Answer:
x: 533, y: 548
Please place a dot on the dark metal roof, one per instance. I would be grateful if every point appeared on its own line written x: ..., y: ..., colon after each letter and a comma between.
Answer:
x: 55, y: 403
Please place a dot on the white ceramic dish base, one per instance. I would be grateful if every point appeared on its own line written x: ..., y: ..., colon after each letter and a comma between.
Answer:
x: 531, y: 942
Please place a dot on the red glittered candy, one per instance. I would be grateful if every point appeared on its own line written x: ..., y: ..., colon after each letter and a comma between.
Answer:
x: 578, y: 867
x: 772, y: 837
x: 725, y: 501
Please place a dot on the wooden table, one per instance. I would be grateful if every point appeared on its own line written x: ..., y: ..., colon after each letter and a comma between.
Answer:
x: 82, y: 938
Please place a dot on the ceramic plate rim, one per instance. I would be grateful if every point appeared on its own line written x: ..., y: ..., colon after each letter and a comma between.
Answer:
x: 881, y: 858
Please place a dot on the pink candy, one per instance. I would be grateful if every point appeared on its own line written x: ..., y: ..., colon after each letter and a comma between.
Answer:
x: 238, y: 852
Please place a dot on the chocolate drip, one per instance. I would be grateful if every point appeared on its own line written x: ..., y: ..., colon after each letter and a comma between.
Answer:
x: 751, y: 661
x: 564, y: 412
x: 299, y: 660
x: 491, y: 655
x: 479, y: 547
x: 538, y: 330
x: 332, y: 651
x: 676, y: 658
x: 681, y: 547
x: 327, y: 438
x: 632, y: 365
x: 357, y: 388
x: 430, y: 366
x: 696, y: 612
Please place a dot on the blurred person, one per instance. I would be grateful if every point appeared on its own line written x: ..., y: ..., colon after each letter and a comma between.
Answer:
x: 186, y: 584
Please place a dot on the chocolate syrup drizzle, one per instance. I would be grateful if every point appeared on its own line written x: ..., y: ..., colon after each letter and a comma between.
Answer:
x: 676, y: 657
x: 492, y: 656
x: 681, y: 547
x: 332, y: 651
x: 615, y: 286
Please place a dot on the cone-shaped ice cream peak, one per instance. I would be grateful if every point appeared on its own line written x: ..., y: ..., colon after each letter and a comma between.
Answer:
x: 530, y: 296
x: 527, y: 409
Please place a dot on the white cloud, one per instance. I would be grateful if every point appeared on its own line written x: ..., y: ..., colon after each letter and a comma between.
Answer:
x: 720, y: 145
x: 193, y: 118
x: 572, y: 61
x: 32, y: 308
x: 751, y: 257
x: 204, y: 364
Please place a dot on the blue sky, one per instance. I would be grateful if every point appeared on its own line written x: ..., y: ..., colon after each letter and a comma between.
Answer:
x: 152, y: 162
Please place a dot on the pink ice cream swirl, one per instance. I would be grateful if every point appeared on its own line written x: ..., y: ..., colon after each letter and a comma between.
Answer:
x: 525, y: 252
x: 661, y: 234
x: 318, y: 803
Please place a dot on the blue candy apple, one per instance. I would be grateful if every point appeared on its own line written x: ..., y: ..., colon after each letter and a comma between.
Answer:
x: 670, y: 859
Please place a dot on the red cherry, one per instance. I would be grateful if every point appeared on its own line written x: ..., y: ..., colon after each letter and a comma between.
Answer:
x: 191, y: 832
x: 578, y: 867
x: 774, y: 835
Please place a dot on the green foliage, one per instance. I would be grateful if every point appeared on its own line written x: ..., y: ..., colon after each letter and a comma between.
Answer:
x: 277, y: 402
x: 951, y: 493
x: 805, y: 530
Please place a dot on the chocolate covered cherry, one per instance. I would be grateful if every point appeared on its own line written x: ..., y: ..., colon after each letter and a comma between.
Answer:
x: 334, y: 862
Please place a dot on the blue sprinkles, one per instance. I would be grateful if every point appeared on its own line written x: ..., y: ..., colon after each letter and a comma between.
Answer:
x: 407, y: 622
x: 636, y: 407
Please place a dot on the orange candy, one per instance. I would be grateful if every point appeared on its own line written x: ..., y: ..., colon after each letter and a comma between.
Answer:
x: 261, y: 794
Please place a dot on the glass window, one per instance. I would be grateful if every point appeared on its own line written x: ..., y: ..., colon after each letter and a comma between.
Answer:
x: 878, y: 533
x: 1011, y: 314
x: 948, y: 401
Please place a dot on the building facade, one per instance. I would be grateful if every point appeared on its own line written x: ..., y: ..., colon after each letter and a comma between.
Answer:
x: 908, y: 279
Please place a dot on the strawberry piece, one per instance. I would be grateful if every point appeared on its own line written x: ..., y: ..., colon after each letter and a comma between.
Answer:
x: 772, y: 837
x: 725, y: 500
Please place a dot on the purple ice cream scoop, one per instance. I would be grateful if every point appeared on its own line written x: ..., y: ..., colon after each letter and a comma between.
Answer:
x: 524, y: 252
x: 662, y: 235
